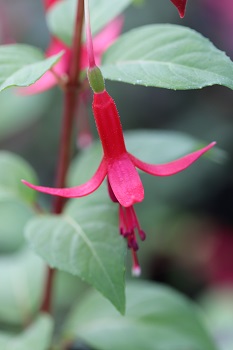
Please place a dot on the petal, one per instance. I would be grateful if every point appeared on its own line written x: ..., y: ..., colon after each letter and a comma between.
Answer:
x: 78, y: 191
x: 180, y: 4
x: 49, y: 3
x: 48, y: 80
x: 108, y: 35
x: 125, y: 181
x: 173, y: 167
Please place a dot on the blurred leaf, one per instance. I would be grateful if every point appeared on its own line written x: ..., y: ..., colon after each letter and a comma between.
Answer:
x: 12, y: 169
x: 14, y: 213
x: 61, y: 17
x: 37, y: 336
x: 156, y: 318
x: 17, y: 111
x: 138, y: 2
x: 218, y: 305
x: 23, y: 65
x: 169, y: 145
x: 85, y: 242
x: 67, y: 288
x: 167, y: 56
x: 157, y: 146
x: 89, y: 160
x: 21, y: 283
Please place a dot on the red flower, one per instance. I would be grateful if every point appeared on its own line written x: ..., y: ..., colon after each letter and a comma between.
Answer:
x: 119, y: 166
x: 180, y: 4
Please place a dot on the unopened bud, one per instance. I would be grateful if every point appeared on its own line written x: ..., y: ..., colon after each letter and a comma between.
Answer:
x: 96, y: 79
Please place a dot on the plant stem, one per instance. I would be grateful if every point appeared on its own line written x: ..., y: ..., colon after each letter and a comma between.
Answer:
x: 64, y: 156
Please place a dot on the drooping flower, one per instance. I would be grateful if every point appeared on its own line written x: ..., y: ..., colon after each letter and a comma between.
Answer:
x: 117, y: 164
x: 102, y: 41
x: 181, y: 5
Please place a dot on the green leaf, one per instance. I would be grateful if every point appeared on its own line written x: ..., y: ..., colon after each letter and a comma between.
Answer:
x: 218, y: 306
x: 85, y: 242
x: 18, y: 111
x: 21, y: 282
x: 66, y: 289
x: 12, y: 169
x: 61, y: 17
x: 89, y: 159
x: 167, y: 56
x: 37, y: 336
x: 23, y: 65
x: 14, y: 214
x: 156, y: 318
x: 156, y: 146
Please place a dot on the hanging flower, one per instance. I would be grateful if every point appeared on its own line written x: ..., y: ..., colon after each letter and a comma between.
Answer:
x: 180, y: 4
x: 117, y: 164
x: 119, y: 167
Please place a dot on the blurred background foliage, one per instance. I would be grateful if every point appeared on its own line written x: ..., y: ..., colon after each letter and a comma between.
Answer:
x: 188, y: 217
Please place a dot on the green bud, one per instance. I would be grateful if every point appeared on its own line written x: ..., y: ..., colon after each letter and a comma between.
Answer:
x: 96, y: 79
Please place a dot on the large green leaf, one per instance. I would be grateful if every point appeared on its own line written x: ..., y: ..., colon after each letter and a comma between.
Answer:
x: 37, y: 336
x: 66, y: 289
x: 218, y: 306
x: 23, y: 65
x: 18, y: 111
x: 21, y: 283
x: 12, y: 169
x: 14, y: 214
x: 84, y: 241
x: 167, y: 56
x: 61, y: 17
x: 157, y: 318
x: 157, y: 146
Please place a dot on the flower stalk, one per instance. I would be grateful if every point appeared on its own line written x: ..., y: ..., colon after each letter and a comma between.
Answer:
x: 70, y: 102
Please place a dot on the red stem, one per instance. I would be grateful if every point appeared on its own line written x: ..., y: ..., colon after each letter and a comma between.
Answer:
x: 70, y: 104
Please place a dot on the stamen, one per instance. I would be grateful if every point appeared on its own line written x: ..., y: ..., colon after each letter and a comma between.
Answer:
x: 128, y: 223
x: 132, y: 241
x: 142, y: 235
x: 136, y: 224
x: 136, y: 269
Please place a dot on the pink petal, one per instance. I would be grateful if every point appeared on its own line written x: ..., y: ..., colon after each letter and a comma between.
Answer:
x: 48, y: 80
x: 173, y: 167
x: 180, y: 4
x: 108, y: 35
x: 125, y: 181
x: 78, y: 191
x: 49, y: 3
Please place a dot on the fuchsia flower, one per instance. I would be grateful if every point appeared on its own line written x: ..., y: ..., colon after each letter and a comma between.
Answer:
x: 117, y: 164
x: 180, y: 4
x: 102, y: 41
